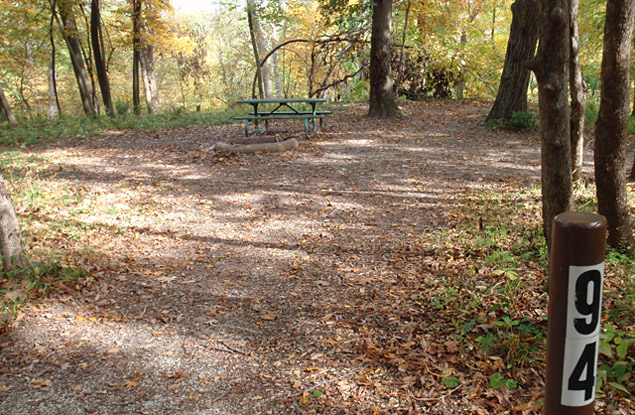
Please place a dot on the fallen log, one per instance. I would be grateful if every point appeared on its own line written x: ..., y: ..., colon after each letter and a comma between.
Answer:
x: 285, y: 145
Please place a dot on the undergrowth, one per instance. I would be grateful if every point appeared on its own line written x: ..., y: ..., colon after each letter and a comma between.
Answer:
x: 43, y: 130
x: 498, y: 305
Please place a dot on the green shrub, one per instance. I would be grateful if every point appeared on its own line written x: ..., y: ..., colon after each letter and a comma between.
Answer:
x: 523, y: 121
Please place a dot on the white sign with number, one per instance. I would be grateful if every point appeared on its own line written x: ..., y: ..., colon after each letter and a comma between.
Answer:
x: 582, y: 337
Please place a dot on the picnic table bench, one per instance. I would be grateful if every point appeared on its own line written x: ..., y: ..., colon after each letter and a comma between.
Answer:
x: 284, y: 109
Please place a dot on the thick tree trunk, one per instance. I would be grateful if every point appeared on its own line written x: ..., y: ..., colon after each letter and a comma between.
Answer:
x: 68, y: 26
x: 149, y: 78
x: 611, y: 126
x: 577, y: 98
x: 550, y: 67
x: 5, y: 108
x: 11, y: 246
x: 100, y: 64
x: 382, y: 98
x: 136, y: 54
x: 521, y: 47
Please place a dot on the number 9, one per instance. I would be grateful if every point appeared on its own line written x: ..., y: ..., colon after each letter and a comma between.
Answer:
x: 581, y: 301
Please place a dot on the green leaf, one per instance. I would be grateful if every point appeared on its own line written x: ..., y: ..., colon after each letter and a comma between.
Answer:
x: 317, y: 394
x: 621, y: 350
x: 451, y: 381
x: 496, y: 380
x: 619, y: 386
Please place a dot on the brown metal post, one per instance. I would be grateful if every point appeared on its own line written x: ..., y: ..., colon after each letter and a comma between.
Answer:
x: 575, y: 306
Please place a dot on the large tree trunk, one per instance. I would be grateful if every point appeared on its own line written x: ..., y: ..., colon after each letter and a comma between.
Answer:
x: 611, y: 126
x: 521, y: 47
x: 382, y: 98
x: 11, y: 246
x: 68, y: 26
x: 550, y: 67
x: 149, y: 78
x: 5, y: 108
x: 136, y: 53
x: 100, y: 64
x: 577, y: 98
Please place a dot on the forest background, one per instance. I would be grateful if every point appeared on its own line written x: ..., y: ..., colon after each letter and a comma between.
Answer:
x: 205, y: 61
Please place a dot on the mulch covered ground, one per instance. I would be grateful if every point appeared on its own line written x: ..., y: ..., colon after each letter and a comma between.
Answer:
x: 271, y: 283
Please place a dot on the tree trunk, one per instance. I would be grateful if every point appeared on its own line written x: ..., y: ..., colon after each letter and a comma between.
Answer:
x: 632, y: 175
x: 70, y: 33
x: 136, y: 53
x: 611, y: 127
x: 54, y: 108
x: 382, y: 98
x: 401, y: 49
x: 149, y: 78
x: 551, y: 69
x: 261, y: 44
x: 254, y: 44
x: 52, y: 102
x: 577, y: 98
x: 100, y: 64
x: 6, y: 108
x: 11, y: 246
x: 521, y: 47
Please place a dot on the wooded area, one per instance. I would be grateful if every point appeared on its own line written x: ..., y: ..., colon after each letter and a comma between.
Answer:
x: 428, y: 192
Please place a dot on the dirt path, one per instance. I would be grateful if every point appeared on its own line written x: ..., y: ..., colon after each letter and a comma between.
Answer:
x: 237, y: 284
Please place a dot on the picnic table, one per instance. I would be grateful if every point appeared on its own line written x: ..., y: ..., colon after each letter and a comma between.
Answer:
x: 283, y: 109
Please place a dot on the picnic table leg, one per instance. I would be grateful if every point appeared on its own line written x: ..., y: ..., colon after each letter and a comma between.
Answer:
x: 255, y: 127
x: 306, y: 127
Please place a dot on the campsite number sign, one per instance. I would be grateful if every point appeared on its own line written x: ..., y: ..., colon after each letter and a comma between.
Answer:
x: 582, y: 336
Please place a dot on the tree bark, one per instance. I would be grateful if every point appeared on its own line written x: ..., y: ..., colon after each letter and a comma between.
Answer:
x: 521, y: 47
x: 632, y: 175
x: 149, y: 78
x: 382, y: 98
x: 254, y: 44
x: 551, y: 69
x: 11, y: 246
x: 6, y: 108
x: 136, y: 53
x: 100, y: 64
x: 577, y: 98
x: 401, y: 49
x: 70, y: 33
x: 611, y: 127
x: 261, y: 44
x: 53, y: 108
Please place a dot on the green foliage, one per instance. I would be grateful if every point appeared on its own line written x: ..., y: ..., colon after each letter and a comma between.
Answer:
x: 43, y: 130
x: 519, y: 121
x: 497, y: 381
x: 616, y: 363
x: 494, y: 307
x: 523, y: 120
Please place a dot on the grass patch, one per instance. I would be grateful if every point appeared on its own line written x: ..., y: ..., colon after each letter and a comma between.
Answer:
x: 44, y: 130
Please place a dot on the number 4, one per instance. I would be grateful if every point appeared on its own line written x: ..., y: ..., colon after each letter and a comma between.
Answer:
x: 587, y: 361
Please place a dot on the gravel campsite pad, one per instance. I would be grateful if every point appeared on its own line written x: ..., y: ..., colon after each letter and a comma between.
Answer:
x: 268, y: 283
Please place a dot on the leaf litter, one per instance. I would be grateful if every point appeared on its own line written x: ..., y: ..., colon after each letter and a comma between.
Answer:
x: 325, y: 280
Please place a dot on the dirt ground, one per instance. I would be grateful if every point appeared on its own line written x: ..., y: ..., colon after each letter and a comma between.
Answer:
x: 264, y: 283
